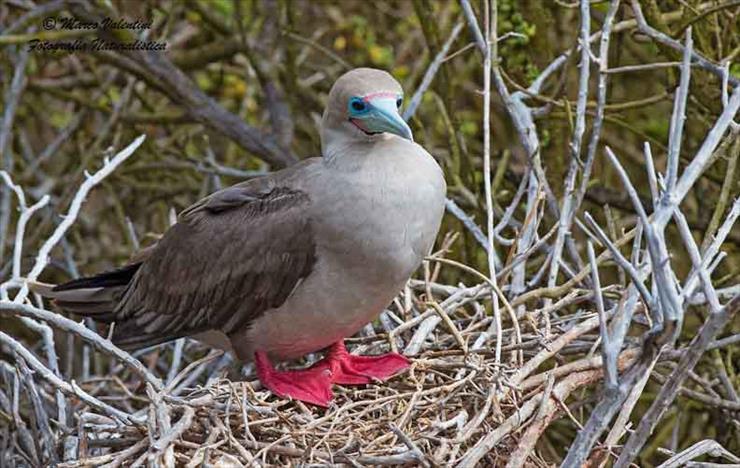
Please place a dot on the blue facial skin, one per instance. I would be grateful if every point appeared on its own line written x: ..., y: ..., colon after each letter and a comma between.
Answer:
x: 379, y: 114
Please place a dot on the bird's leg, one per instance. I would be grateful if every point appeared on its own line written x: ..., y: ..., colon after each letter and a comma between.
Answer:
x: 312, y: 385
x: 349, y: 369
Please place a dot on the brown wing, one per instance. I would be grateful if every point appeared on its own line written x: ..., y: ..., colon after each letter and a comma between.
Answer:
x: 229, y: 258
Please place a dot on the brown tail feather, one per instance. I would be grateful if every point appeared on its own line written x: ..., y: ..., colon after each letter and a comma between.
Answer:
x: 94, y: 296
x: 97, y: 297
x: 118, y: 277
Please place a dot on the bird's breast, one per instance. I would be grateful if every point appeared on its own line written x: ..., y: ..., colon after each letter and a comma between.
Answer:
x: 372, y: 227
x: 388, y: 215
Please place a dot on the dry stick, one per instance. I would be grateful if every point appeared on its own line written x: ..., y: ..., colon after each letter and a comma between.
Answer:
x: 520, y: 114
x: 451, y: 326
x: 70, y: 326
x: 692, y: 172
x: 269, y: 44
x: 420, y: 457
x: 702, y: 158
x: 543, y: 418
x: 711, y: 251
x: 679, y: 115
x: 411, y: 110
x: 713, y: 325
x: 472, y: 21
x: 47, y: 337
x: 711, y: 401
x: 620, y: 260
x: 431, y: 72
x: 21, y: 434
x: 70, y: 389
x: 161, y: 417
x: 509, y: 212
x: 494, y: 287
x: 612, y: 399
x: 618, y: 428
x: 404, y: 458
x: 706, y: 446
x: 109, y: 460
x: 526, y: 236
x: 487, y: 180
x: 642, y: 67
x: 651, y: 174
x: 667, y: 297
x: 568, y: 206
x: 492, y: 438
x: 573, y: 282
x: 709, y: 292
x: 727, y: 188
x: 658, y: 36
x: 614, y: 391
x: 522, y: 256
x: 430, y: 319
x: 469, y: 224
x: 183, y: 424
x: 26, y: 213
x: 560, y: 391
x: 161, y: 74
x: 171, y: 384
x: 13, y: 96
x: 40, y: 415
x: 42, y: 259
x: 593, y: 143
x: 608, y: 353
x: 42, y: 329
x: 622, y: 26
x: 625, y: 359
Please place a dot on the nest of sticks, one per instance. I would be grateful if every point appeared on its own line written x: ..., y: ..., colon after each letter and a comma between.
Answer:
x: 468, y: 398
x: 454, y: 405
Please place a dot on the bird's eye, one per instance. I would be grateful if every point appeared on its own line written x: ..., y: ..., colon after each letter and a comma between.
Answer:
x: 357, y: 104
x: 399, y: 102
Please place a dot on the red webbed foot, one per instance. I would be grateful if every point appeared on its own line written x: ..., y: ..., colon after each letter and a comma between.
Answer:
x: 349, y: 369
x: 312, y: 385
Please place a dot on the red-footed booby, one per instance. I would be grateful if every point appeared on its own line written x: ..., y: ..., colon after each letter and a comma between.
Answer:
x: 292, y: 262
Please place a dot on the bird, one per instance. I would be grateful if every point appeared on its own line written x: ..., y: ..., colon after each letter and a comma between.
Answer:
x: 292, y: 262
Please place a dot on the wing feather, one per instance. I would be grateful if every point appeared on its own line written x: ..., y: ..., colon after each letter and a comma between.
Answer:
x: 229, y: 258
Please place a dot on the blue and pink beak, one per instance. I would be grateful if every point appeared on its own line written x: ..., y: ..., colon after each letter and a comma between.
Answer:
x: 378, y: 113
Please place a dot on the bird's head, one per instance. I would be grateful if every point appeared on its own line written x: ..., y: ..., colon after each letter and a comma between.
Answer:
x: 363, y: 104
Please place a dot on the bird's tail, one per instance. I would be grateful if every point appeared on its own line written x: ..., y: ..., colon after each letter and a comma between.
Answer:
x: 95, y: 296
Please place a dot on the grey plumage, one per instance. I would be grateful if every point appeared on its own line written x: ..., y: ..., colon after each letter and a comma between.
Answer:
x: 290, y: 262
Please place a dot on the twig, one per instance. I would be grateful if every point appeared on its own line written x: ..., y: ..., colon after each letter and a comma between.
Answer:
x: 70, y: 389
x: 705, y: 447
x: 42, y: 259
x: 672, y: 43
x: 489, y: 36
x: 11, y: 99
x: 713, y: 325
x: 431, y: 72
x: 679, y: 115
x: 569, y: 197
x: 70, y: 326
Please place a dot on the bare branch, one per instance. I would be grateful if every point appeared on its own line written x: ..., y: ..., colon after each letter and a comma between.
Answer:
x: 431, y: 72
x: 70, y: 389
x: 713, y: 325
